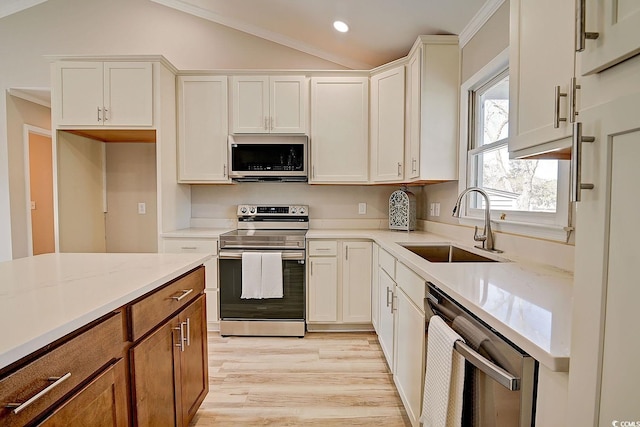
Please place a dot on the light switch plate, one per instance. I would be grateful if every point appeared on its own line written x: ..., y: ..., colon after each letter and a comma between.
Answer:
x: 142, y: 208
x: 362, y: 208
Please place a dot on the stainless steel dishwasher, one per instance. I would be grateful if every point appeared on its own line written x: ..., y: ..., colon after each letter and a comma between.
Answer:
x: 500, y: 379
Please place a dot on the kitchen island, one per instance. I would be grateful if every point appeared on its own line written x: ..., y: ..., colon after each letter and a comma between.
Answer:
x: 82, y: 325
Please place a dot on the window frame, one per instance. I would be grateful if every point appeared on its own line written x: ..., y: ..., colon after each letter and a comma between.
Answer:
x: 552, y: 226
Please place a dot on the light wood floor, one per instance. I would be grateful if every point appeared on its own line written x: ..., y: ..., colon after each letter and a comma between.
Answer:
x: 324, y: 379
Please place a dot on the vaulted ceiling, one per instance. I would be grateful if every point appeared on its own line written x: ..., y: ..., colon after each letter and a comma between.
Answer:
x: 380, y: 30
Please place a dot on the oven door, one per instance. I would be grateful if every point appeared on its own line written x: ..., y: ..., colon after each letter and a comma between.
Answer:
x: 290, y: 307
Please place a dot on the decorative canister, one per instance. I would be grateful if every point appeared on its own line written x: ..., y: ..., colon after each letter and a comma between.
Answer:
x: 402, y: 210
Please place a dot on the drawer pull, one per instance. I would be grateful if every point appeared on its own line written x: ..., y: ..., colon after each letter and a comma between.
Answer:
x: 323, y: 249
x: 188, y: 248
x: 185, y: 292
x: 19, y: 407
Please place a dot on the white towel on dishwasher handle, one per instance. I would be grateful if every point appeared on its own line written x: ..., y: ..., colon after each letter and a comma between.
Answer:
x: 444, y: 378
x: 251, y: 275
x: 272, y: 275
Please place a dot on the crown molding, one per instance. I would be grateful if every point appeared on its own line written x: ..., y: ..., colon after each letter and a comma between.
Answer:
x: 263, y: 33
x: 478, y: 21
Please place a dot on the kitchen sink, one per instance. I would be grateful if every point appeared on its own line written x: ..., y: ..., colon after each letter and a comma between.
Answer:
x: 446, y: 253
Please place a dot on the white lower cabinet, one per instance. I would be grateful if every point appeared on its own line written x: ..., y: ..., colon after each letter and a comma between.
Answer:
x: 401, y: 329
x: 323, y: 289
x: 386, y: 290
x: 201, y: 245
x: 339, y: 282
x: 409, y: 343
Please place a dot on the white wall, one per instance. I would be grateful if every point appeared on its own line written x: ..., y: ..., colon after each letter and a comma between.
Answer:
x: 76, y: 27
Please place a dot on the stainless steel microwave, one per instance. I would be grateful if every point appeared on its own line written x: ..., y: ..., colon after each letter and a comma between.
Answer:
x: 268, y: 157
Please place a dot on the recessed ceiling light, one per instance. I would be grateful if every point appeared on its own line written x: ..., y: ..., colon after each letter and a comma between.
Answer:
x: 341, y: 26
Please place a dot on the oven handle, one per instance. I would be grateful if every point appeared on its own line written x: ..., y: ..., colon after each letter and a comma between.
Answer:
x: 286, y: 255
x: 503, y: 377
x: 256, y: 242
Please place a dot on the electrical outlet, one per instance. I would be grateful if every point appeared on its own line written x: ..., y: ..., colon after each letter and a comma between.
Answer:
x: 142, y: 208
x: 33, y: 205
x: 362, y: 208
x: 437, y: 210
x: 432, y: 209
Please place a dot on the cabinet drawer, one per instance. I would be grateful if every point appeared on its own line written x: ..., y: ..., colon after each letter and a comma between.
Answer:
x: 323, y: 247
x: 66, y: 366
x: 387, y: 262
x: 153, y: 308
x: 412, y: 285
x: 190, y: 245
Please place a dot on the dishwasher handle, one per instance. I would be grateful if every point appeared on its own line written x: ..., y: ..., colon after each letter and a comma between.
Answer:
x: 503, y: 377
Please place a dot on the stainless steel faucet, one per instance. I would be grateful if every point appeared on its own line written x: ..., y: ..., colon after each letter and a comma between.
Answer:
x: 487, y: 235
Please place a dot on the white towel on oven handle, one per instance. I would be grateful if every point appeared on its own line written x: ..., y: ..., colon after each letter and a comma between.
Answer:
x: 251, y: 275
x: 444, y: 378
x: 272, y: 275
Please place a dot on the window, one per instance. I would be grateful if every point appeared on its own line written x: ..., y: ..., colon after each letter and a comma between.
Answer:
x: 522, y: 193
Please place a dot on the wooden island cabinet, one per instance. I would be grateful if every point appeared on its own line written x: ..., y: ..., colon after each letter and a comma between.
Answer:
x: 143, y: 364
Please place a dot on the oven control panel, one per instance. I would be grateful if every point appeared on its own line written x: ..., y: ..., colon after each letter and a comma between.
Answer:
x: 272, y: 210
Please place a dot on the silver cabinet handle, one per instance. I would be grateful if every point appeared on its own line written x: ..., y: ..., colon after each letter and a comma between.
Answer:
x: 556, y: 111
x: 180, y: 343
x: 573, y: 112
x: 581, y: 33
x: 105, y: 116
x: 399, y: 169
x: 576, y: 162
x: 413, y: 164
x: 99, y: 116
x: 393, y: 297
x: 188, y: 327
x: 271, y: 123
x: 224, y: 171
x: 19, y: 407
x: 346, y: 253
x: 185, y: 292
x: 503, y: 377
x: 310, y: 267
x: 266, y: 123
x: 188, y: 248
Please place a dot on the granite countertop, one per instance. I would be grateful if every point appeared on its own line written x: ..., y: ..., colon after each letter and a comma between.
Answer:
x: 45, y: 297
x: 529, y: 304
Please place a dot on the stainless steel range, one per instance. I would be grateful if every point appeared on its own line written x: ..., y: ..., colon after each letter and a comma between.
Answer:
x: 262, y: 272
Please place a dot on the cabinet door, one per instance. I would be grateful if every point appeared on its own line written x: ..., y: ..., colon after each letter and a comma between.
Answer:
x: 288, y: 104
x: 356, y: 282
x: 154, y: 377
x: 202, y: 129
x: 604, y: 362
x: 250, y: 96
x: 339, y: 130
x: 387, y: 126
x: 77, y: 93
x: 101, y: 403
x: 386, y: 290
x: 323, y: 289
x: 538, y: 37
x: 128, y: 94
x: 410, y: 354
x: 618, y: 25
x: 375, y: 297
x: 194, y: 374
x: 412, y: 154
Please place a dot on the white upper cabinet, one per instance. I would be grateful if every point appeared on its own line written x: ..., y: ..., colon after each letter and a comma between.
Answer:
x: 617, y: 24
x: 387, y: 125
x: 541, y: 68
x: 339, y: 130
x: 202, y: 129
x: 270, y: 104
x: 116, y: 94
x: 433, y: 82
